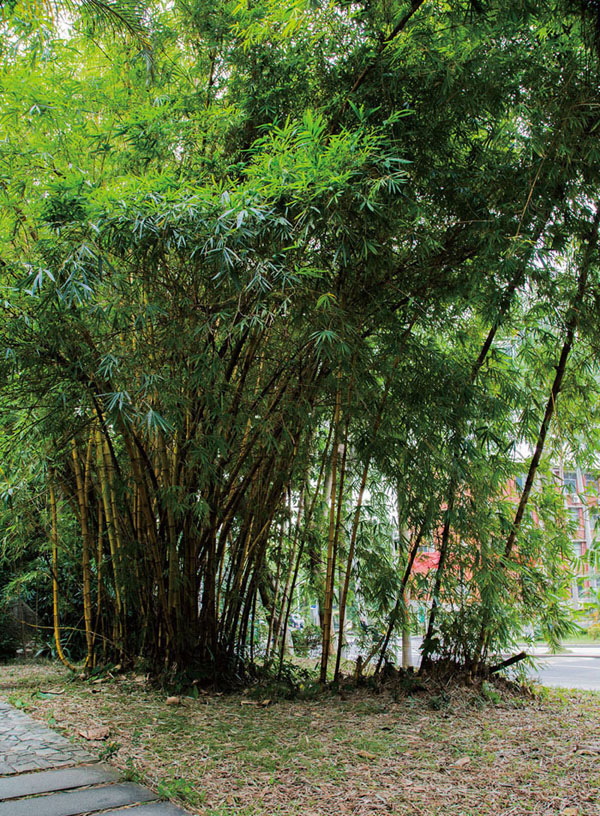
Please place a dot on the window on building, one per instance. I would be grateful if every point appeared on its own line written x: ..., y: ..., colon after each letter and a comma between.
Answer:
x: 591, y: 483
x: 578, y: 548
x: 570, y: 481
x: 575, y: 515
x: 428, y: 546
x: 520, y: 482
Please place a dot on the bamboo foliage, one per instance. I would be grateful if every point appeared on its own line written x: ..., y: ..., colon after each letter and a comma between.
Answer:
x: 239, y: 310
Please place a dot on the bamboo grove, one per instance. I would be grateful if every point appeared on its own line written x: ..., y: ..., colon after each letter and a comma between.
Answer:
x: 289, y: 289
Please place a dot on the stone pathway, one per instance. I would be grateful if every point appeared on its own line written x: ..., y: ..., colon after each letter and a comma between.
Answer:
x: 43, y: 774
x: 27, y: 745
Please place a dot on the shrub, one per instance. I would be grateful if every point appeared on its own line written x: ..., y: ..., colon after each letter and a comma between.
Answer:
x: 307, y: 639
x: 594, y: 630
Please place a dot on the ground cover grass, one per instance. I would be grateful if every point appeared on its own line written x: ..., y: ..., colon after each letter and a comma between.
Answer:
x: 442, y: 751
x: 579, y: 639
x: 573, y: 644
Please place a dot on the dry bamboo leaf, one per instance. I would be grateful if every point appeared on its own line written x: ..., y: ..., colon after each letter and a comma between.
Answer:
x: 571, y: 811
x: 366, y: 755
x: 173, y: 701
x: 462, y: 762
x: 52, y: 691
x: 589, y: 750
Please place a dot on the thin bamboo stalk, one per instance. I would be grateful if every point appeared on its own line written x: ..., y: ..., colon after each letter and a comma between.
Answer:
x: 330, y: 574
x: 55, y: 612
x: 86, y: 544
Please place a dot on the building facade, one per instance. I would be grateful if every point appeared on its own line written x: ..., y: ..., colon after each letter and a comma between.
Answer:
x: 580, y: 491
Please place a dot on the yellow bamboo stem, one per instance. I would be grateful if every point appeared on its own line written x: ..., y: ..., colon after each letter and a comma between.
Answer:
x: 110, y: 528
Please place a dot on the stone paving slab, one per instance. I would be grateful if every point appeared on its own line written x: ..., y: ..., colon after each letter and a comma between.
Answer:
x: 152, y: 809
x: 74, y: 803
x: 28, y: 784
x: 27, y: 748
x: 27, y: 745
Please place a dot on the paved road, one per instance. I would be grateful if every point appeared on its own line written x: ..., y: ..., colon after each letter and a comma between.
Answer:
x: 569, y: 671
x: 579, y: 667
